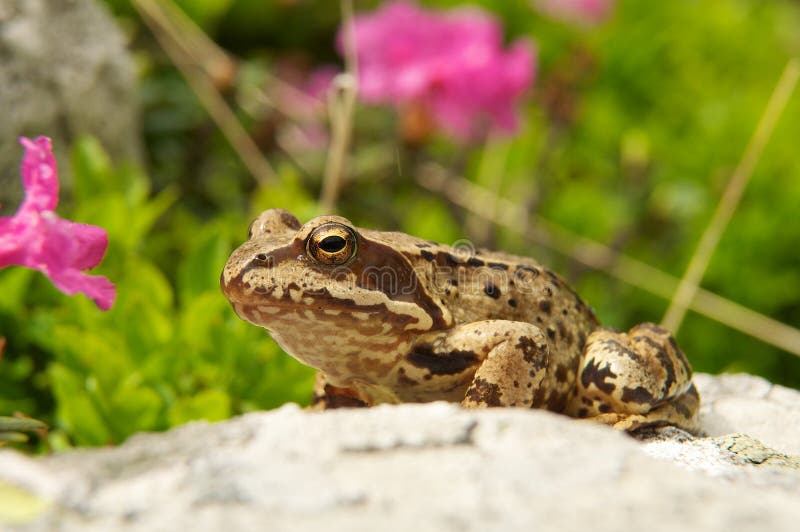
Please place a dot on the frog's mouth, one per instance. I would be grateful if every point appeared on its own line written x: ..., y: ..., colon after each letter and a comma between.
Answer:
x: 276, y: 307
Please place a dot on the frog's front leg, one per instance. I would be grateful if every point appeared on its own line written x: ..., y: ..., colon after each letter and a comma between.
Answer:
x: 497, y: 362
x: 327, y: 396
x: 635, y: 379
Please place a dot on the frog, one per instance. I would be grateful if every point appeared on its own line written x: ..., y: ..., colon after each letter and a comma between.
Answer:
x: 387, y: 318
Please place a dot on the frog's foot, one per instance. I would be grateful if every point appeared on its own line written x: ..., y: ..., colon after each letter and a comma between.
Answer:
x: 514, y: 359
x: 635, y: 379
x: 680, y: 412
x: 327, y: 396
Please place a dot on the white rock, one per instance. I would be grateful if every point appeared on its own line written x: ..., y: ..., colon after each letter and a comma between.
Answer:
x: 422, y: 467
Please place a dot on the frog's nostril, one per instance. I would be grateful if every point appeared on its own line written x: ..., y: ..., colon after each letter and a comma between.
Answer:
x: 262, y: 260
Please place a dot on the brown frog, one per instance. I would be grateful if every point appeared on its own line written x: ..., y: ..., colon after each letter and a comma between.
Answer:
x: 389, y: 318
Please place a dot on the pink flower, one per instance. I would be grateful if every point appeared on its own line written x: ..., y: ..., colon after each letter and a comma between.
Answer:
x: 37, y: 238
x: 453, y: 64
x: 576, y: 11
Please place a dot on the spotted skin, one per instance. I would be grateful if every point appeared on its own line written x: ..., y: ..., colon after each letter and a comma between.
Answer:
x: 389, y: 318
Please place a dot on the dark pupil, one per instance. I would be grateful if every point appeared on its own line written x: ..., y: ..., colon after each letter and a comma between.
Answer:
x: 332, y: 244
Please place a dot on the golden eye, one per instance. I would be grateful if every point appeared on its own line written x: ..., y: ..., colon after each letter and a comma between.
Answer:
x: 332, y: 244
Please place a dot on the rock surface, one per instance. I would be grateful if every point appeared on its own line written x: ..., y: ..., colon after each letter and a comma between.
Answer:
x: 428, y: 467
x: 64, y: 72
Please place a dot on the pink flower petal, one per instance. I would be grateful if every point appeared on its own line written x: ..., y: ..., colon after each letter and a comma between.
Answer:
x: 97, y: 288
x: 39, y: 175
x: 36, y: 237
x: 450, y: 63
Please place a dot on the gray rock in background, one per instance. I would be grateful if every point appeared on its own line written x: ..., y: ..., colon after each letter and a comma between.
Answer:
x: 64, y: 72
x: 426, y: 467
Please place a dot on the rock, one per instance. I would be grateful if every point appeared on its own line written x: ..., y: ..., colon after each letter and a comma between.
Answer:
x: 422, y: 467
x: 64, y: 72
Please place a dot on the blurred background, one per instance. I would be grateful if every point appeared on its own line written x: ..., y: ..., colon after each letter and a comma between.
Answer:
x: 173, y: 132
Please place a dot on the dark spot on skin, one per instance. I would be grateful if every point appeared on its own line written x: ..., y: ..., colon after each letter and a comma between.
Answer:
x: 447, y: 291
x: 472, y: 261
x: 680, y: 355
x: 652, y: 327
x: 556, y: 402
x: 586, y: 401
x: 290, y: 221
x: 531, y: 352
x: 665, y: 361
x: 427, y: 255
x: 520, y: 271
x: 451, y: 259
x: 516, y: 384
x: 562, y: 330
x: 423, y: 245
x: 454, y: 282
x: 491, y: 290
x: 638, y: 395
x: 539, y: 397
x: 498, y: 266
x: 561, y: 373
x: 593, y: 373
x: 428, y: 377
x: 485, y: 392
x: 563, y: 312
x: 449, y: 363
x: 581, y: 340
x: 613, y: 345
x: 604, y: 408
x: 539, y: 319
x: 583, y: 412
x: 682, y: 410
x: 545, y: 306
x: 512, y: 303
x: 548, y: 291
x: 551, y: 333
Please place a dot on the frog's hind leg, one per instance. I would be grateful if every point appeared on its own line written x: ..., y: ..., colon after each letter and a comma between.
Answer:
x: 634, y: 380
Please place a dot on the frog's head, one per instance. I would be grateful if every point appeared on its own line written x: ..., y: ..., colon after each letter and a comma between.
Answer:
x: 326, y: 286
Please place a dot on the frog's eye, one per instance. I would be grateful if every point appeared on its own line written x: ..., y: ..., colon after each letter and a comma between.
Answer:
x: 332, y: 244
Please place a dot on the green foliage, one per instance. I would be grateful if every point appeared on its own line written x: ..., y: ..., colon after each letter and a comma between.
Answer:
x: 632, y: 131
x: 171, y: 350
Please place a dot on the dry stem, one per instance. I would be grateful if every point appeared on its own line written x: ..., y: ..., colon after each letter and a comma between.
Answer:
x: 689, y: 284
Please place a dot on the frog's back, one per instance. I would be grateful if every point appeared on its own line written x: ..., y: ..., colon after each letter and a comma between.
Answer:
x: 478, y: 285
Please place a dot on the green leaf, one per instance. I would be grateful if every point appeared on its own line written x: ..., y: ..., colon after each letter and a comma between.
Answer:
x: 91, y: 168
x: 211, y: 405
x: 14, y: 284
x: 200, y: 269
x: 77, y: 412
x: 134, y: 408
